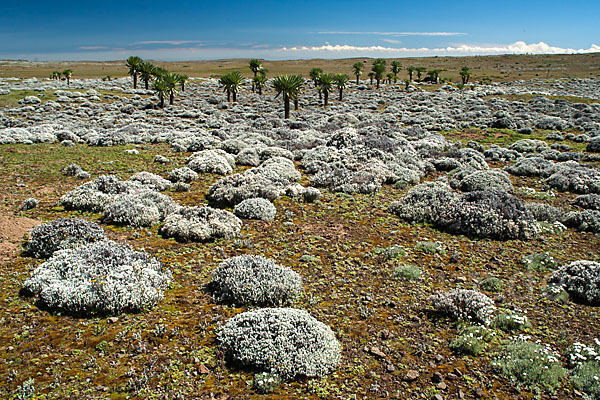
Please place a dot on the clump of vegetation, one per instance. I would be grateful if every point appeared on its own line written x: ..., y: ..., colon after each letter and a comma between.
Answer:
x: 471, y: 340
x: 394, y: 252
x: 265, y: 382
x: 104, y: 277
x: 467, y: 305
x: 492, y: 284
x: 511, y: 321
x: 540, y: 262
x: 430, y: 247
x: 531, y: 364
x: 285, y: 341
x: 581, y: 279
x: 62, y: 233
x: 254, y: 280
x: 407, y: 272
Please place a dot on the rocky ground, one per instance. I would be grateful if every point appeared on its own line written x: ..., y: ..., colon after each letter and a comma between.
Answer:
x: 383, y: 201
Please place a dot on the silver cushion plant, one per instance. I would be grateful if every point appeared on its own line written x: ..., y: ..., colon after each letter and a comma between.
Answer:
x: 198, y: 224
x: 581, y: 279
x: 62, y: 233
x: 283, y: 341
x: 104, y: 277
x: 468, y: 305
x: 256, y: 208
x: 254, y: 280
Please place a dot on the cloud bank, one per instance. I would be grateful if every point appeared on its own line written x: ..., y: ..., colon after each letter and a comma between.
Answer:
x: 459, y: 50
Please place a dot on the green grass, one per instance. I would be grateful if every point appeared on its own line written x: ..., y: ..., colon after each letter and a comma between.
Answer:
x: 11, y: 100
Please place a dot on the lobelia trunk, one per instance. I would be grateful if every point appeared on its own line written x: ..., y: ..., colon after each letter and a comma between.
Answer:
x: 162, y: 101
x: 135, y: 81
x: 296, y: 105
x: 326, y: 95
x: 171, y: 98
x: 234, y: 96
x: 341, y: 91
x: 146, y: 83
x: 229, y: 96
x: 286, y: 105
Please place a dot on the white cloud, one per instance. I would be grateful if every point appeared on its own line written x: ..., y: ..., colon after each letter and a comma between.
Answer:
x: 171, y: 42
x: 393, y: 33
x: 464, y: 49
x: 392, y: 41
x: 93, y: 47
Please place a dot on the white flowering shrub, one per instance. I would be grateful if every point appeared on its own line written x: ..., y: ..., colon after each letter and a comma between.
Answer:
x: 586, y: 363
x: 257, y: 208
x: 588, y: 201
x: 580, y: 353
x: 535, y: 365
x: 61, y: 234
x: 468, y: 305
x: 104, y: 277
x: 470, y: 180
x: 339, y: 179
x: 529, y: 146
x: 283, y: 341
x: 572, y: 177
x: 213, y: 161
x: 140, y: 208
x: 96, y: 194
x: 254, y: 280
x: 265, y: 383
x: 586, y: 220
x: 491, y: 214
x: 544, y: 212
x: 251, y: 183
x: 199, y: 224
x: 183, y: 174
x: 72, y: 170
x: 532, y: 166
x: 540, y: 262
x: 28, y: 204
x: 511, y: 321
x: 151, y: 181
x: 423, y: 202
x: 472, y: 340
x: 581, y: 279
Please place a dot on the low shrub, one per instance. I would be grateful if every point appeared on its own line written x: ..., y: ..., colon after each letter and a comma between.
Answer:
x: 407, y: 272
x: 255, y: 208
x: 283, y: 341
x: 531, y: 364
x: 467, y: 305
x: 511, y: 321
x: 104, y: 277
x: 61, y: 234
x: 254, y: 280
x: 472, y: 340
x: 581, y: 279
x: 430, y: 247
x: 491, y: 284
x: 540, y: 262
x: 198, y: 224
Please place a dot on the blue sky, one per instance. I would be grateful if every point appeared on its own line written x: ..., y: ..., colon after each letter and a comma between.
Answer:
x: 188, y: 30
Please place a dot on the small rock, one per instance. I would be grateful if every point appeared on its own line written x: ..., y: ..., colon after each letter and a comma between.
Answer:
x: 478, y: 392
x: 452, y: 376
x: 113, y: 320
x: 438, y: 397
x: 411, y: 375
x: 203, y: 370
x: 441, y: 386
x: 437, y: 377
x: 461, y: 279
x: 376, y: 352
x: 461, y: 395
x: 390, y: 368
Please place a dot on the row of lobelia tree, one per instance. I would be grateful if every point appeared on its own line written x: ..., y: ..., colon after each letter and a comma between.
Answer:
x: 288, y: 86
x: 164, y: 83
